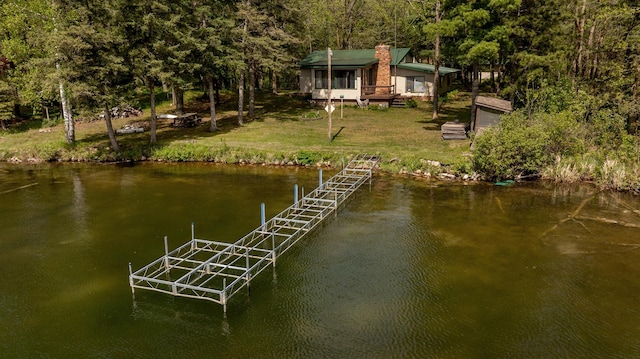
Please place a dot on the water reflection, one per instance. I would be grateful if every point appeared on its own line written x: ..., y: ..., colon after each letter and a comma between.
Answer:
x: 413, y: 269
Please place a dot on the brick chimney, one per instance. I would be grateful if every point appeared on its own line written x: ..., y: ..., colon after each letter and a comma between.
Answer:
x: 383, y: 54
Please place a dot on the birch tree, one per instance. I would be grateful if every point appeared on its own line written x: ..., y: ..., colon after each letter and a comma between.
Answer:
x: 36, y: 40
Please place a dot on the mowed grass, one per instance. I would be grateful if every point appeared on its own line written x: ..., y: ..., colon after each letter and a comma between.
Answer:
x: 280, y: 126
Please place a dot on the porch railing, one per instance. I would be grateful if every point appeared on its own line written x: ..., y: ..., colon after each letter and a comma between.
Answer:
x: 373, y: 89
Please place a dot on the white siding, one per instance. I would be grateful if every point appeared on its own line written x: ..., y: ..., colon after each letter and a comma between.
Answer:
x: 402, y: 83
x: 349, y: 94
x: 306, y: 81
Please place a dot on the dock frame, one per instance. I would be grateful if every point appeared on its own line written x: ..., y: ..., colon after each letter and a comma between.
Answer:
x: 216, y: 271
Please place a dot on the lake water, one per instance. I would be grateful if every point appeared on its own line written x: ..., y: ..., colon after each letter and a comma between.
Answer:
x: 412, y: 269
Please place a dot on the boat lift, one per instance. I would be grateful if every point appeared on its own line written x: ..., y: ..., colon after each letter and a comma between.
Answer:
x: 216, y: 271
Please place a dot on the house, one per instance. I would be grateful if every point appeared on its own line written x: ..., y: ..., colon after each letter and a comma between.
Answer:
x: 488, y: 111
x: 379, y: 75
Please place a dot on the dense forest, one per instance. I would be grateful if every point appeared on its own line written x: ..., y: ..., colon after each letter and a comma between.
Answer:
x: 571, y: 67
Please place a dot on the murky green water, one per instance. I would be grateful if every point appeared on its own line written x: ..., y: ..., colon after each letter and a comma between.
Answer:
x: 411, y: 270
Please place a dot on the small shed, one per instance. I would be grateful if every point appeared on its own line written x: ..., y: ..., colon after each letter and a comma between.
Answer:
x: 488, y: 111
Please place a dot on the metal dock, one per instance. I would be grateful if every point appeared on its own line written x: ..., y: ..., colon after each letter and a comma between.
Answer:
x: 216, y: 271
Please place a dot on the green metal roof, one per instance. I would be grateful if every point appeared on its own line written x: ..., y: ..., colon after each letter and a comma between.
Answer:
x: 350, y: 58
x: 428, y: 68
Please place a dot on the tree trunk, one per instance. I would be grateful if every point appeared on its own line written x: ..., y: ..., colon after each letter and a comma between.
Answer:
x: 474, y: 93
x: 499, y: 75
x: 260, y: 76
x: 16, y: 110
x: 69, y: 125
x: 588, y: 69
x: 107, y: 119
x: 274, y: 82
x: 436, y: 71
x: 241, y: 98
x: 212, y: 105
x: 152, y: 103
x: 492, y: 77
x: 245, y: 33
x: 580, y: 19
x: 179, y: 99
x: 252, y: 91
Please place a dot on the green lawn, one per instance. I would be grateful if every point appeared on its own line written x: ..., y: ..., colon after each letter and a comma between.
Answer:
x: 403, y: 136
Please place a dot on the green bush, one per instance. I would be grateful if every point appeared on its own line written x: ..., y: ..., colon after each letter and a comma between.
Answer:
x: 411, y: 103
x: 183, y: 153
x: 308, y: 157
x: 448, y: 96
x: 519, y: 146
x: 311, y: 115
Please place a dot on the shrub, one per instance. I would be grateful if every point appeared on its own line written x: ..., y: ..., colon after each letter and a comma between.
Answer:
x: 448, y: 96
x: 411, y: 103
x: 308, y: 157
x: 311, y: 115
x: 519, y: 146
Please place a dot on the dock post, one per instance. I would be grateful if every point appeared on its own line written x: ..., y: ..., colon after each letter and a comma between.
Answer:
x: 262, y: 216
x: 273, y: 248
x: 320, y: 179
x: 295, y: 194
x: 166, y: 254
x: 335, y: 210
x: 133, y: 290
x: 193, y: 230
x: 248, y: 273
x: 223, y: 296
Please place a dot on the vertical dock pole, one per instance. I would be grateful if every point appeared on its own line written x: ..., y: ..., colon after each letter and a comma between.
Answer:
x: 320, y: 179
x: 295, y: 195
x: 133, y: 290
x: 223, y: 296
x: 335, y: 210
x: 273, y: 249
x: 248, y: 274
x: 193, y: 231
x: 262, y: 216
x: 166, y: 254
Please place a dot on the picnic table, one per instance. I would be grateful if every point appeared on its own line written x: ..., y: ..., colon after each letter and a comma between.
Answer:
x: 186, y: 120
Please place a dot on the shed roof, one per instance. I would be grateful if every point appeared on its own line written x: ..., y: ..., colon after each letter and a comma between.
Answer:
x: 349, y: 58
x: 494, y: 103
x: 428, y: 68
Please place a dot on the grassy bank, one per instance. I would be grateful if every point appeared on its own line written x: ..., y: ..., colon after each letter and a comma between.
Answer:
x: 285, y: 131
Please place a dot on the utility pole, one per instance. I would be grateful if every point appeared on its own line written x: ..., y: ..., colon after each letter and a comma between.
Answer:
x: 329, y: 54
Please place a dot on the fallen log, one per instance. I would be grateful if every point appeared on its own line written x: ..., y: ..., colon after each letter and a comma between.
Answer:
x: 609, y: 221
x: 19, y: 188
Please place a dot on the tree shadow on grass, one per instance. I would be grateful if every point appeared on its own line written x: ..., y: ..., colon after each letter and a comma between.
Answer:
x: 286, y: 107
x: 459, y: 110
x: 165, y: 133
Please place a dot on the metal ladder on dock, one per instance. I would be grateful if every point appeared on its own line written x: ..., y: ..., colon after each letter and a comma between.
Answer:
x: 216, y: 271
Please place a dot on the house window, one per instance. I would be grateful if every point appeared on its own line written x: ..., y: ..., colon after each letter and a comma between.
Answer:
x: 415, y: 84
x: 342, y: 79
x: 321, y: 79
